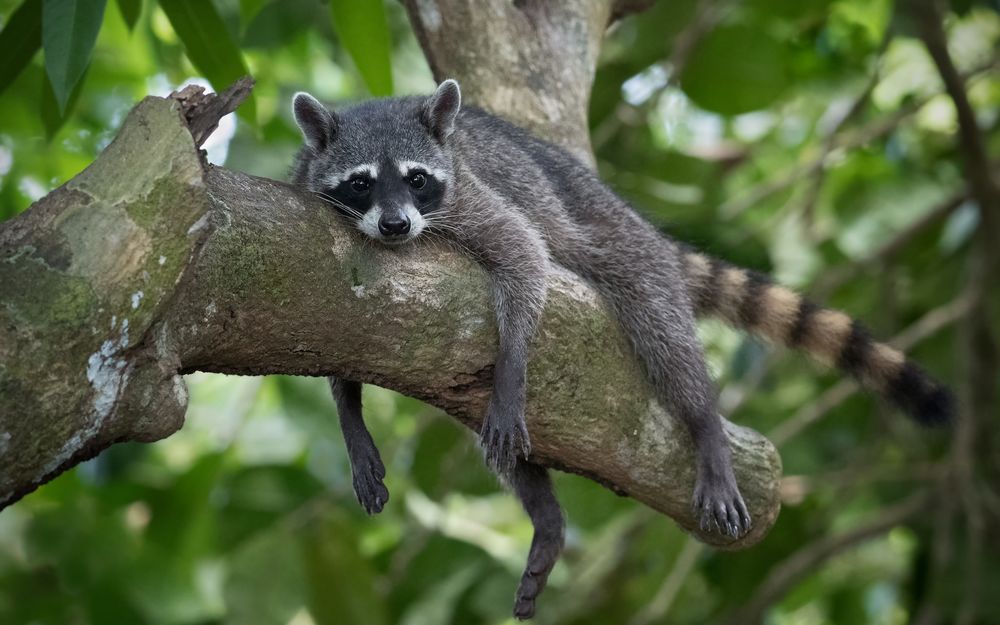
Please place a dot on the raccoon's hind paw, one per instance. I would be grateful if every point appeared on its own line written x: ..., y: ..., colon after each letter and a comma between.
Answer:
x: 368, y: 472
x: 545, y: 549
x: 718, y: 505
x: 503, y: 440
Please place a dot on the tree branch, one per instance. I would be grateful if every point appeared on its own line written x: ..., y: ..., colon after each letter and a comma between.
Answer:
x: 981, y: 347
x: 151, y: 264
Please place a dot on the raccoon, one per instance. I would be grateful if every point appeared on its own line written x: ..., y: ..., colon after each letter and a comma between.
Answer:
x: 401, y: 167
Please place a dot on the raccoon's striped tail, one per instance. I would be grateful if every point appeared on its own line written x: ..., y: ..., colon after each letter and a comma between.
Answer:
x: 752, y: 302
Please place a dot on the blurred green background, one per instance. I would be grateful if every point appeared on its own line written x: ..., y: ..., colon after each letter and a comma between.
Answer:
x: 810, y: 139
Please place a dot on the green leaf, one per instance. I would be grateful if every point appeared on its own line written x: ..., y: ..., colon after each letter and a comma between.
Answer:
x: 340, y: 580
x: 130, y: 10
x: 249, y: 8
x: 267, y: 581
x: 69, y: 32
x: 364, y: 33
x: 209, y: 46
x: 736, y: 69
x: 19, y: 40
x: 278, y: 23
x: 53, y: 117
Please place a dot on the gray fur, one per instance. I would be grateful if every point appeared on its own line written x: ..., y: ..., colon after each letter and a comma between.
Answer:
x: 517, y: 204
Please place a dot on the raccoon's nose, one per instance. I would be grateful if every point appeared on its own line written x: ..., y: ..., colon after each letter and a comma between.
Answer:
x: 393, y: 225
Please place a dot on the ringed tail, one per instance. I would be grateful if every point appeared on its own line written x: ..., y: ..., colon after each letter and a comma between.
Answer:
x: 752, y: 302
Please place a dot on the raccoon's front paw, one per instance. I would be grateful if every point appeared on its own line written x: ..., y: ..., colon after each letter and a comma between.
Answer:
x: 368, y: 472
x: 503, y: 439
x: 719, y: 505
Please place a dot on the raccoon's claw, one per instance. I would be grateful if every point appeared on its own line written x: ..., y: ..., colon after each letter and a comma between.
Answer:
x: 368, y: 472
x: 720, y: 507
x: 503, y: 440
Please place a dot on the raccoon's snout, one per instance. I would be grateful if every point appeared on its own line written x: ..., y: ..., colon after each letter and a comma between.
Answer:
x: 394, y: 225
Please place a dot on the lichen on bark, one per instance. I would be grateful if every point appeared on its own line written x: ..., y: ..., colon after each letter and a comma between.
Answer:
x: 84, y: 275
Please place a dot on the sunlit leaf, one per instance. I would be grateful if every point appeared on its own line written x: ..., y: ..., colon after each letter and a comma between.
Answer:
x: 20, y: 40
x: 209, y: 46
x: 364, y: 33
x: 69, y: 32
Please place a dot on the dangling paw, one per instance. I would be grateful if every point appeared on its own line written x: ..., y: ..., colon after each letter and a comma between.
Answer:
x: 545, y: 550
x: 368, y: 472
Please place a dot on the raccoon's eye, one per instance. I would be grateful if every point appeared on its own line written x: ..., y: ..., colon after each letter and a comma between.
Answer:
x: 360, y: 184
x: 418, y: 180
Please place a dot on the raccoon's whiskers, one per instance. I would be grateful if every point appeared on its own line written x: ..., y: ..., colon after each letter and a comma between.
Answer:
x: 338, y: 204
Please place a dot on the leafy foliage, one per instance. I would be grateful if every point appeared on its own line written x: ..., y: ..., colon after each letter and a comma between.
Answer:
x: 363, y: 32
x: 798, y: 138
x: 69, y: 31
x: 19, y: 40
x: 207, y: 43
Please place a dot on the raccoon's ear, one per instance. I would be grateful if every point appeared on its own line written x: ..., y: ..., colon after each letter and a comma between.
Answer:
x: 441, y: 109
x: 317, y: 123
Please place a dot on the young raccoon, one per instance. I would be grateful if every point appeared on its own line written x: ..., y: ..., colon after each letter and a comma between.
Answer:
x: 400, y: 166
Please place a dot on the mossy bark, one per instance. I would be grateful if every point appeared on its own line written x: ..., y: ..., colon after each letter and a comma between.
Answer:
x: 151, y: 264
x: 85, y: 275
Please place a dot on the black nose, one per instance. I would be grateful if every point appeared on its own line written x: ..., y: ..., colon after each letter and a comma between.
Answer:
x: 393, y: 225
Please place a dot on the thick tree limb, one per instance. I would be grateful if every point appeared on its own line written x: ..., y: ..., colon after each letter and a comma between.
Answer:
x: 151, y: 264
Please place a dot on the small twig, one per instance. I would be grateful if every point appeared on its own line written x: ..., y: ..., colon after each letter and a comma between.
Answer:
x: 707, y: 15
x: 795, y: 488
x: 818, y: 176
x: 833, y: 279
x: 942, y: 551
x: 786, y: 575
x: 658, y: 608
x: 977, y: 162
x: 862, y: 136
x: 736, y: 393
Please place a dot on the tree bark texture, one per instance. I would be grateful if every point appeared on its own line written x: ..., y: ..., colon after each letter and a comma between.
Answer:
x: 151, y: 264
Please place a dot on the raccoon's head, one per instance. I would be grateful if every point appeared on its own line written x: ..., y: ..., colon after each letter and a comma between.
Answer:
x: 383, y: 163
